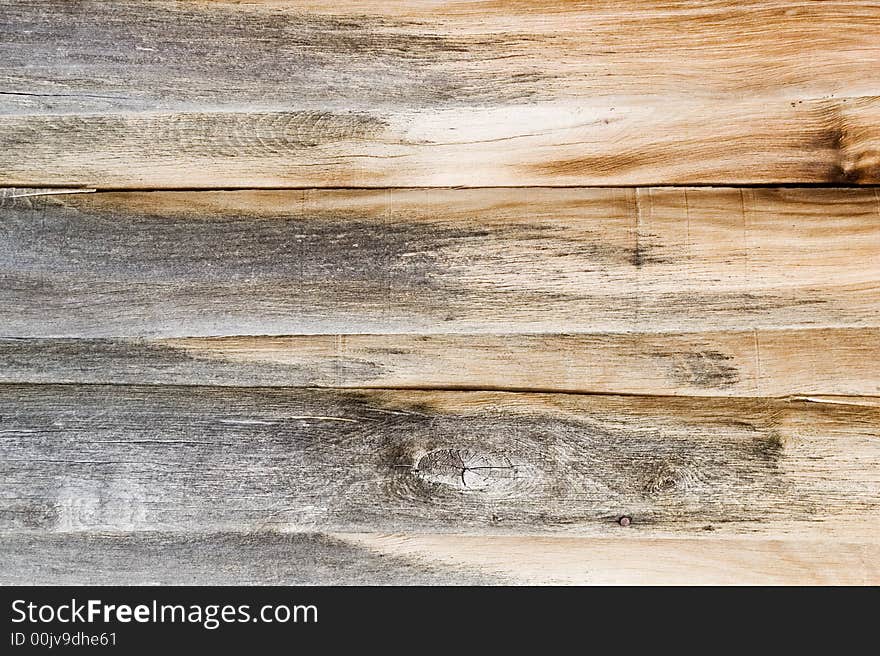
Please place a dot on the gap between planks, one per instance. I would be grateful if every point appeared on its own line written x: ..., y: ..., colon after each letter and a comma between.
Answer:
x: 839, y: 399
x: 50, y: 189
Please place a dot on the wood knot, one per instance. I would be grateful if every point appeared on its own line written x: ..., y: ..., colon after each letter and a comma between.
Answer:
x: 465, y: 469
x: 664, y: 477
x: 461, y: 477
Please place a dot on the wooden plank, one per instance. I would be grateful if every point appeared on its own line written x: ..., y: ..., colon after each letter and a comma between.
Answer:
x: 438, y: 261
x: 263, y: 558
x: 638, y: 561
x: 138, y: 94
x: 836, y: 361
x: 119, y: 458
x: 270, y: 558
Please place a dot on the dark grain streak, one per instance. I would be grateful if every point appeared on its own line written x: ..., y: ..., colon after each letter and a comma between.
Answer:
x: 701, y: 368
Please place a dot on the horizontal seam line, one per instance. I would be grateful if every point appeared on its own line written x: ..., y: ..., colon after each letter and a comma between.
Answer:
x: 803, y: 397
x: 694, y: 185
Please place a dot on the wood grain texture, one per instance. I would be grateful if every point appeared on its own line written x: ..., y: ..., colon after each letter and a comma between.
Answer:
x: 264, y: 558
x: 269, y: 558
x: 438, y: 261
x: 94, y: 458
x: 209, y: 94
x: 637, y: 561
x: 602, y: 362
x: 838, y: 362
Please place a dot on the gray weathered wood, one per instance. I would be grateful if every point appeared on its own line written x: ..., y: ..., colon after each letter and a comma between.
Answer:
x: 263, y: 558
x: 85, y: 458
x: 438, y: 261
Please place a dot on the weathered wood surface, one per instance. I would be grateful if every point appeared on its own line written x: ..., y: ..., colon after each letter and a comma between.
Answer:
x: 91, y: 458
x: 263, y: 558
x: 137, y: 94
x: 269, y: 558
x: 438, y: 261
x: 838, y: 361
x: 390, y: 385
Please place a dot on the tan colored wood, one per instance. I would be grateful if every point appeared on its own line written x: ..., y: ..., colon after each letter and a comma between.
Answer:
x: 622, y: 561
x: 752, y: 363
x: 141, y: 94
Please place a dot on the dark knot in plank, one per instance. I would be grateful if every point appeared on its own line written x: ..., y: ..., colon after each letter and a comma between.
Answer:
x: 465, y: 469
x: 440, y: 472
